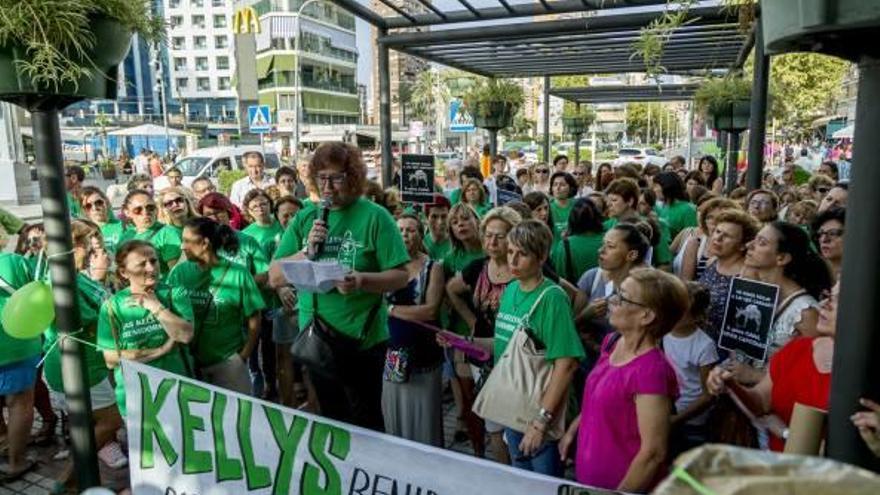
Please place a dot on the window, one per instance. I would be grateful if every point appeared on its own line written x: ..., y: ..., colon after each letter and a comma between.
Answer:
x: 201, y: 63
x: 203, y: 84
x: 176, y: 21
x: 179, y: 63
x: 222, y: 63
x: 198, y: 21
x: 223, y: 83
x: 182, y: 83
x: 221, y: 42
x: 198, y: 3
x: 173, y: 4
x: 218, y: 3
x: 220, y: 21
x: 200, y: 42
x: 178, y: 43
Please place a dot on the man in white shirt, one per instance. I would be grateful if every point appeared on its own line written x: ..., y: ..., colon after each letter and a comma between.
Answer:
x: 142, y: 163
x: 254, y: 164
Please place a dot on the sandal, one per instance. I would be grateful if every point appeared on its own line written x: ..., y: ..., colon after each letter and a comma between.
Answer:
x: 9, y: 477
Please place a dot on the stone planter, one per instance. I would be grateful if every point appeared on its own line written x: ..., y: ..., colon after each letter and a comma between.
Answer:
x: 493, y: 114
x: 844, y: 28
x: 111, y: 44
x: 732, y: 117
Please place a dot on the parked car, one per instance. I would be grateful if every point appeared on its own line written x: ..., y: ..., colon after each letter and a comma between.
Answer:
x: 642, y: 156
x: 209, y: 162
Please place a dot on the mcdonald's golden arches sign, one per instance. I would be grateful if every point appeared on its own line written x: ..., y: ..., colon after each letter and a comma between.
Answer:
x: 245, y: 21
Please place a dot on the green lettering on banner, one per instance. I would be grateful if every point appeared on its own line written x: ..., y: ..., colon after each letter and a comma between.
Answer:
x: 227, y: 467
x: 288, y: 441
x: 150, y: 425
x: 257, y: 476
x: 340, y: 444
x: 194, y: 461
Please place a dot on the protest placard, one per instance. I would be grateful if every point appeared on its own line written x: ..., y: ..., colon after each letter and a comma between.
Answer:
x: 417, y: 178
x: 748, y: 318
x: 190, y: 437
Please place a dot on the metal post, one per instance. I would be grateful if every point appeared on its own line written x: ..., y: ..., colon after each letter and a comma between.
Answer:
x: 546, y: 119
x: 648, y: 132
x: 493, y: 143
x: 385, y: 108
x: 855, y: 350
x: 56, y: 218
x: 296, y: 99
x: 690, y: 137
x: 732, y: 139
x: 593, y: 145
x: 577, y: 138
x: 758, y: 122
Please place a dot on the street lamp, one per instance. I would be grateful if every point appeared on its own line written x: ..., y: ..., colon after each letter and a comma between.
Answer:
x: 160, y: 86
x: 296, y: 69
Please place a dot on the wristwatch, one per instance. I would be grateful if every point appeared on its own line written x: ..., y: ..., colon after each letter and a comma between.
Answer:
x: 545, y: 416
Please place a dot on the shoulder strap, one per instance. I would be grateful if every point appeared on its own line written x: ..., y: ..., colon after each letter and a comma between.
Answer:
x: 569, y: 265
x: 787, y: 302
x: 112, y: 317
x: 5, y: 287
x: 611, y: 342
x: 526, y: 319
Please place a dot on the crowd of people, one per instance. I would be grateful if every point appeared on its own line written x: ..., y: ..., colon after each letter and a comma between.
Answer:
x: 614, y: 279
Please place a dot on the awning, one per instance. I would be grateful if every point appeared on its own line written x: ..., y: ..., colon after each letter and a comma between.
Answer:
x: 264, y: 65
x: 330, y: 104
x: 845, y: 133
x: 286, y: 63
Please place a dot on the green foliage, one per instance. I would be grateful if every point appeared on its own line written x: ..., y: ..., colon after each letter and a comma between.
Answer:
x: 586, y: 112
x: 57, y: 35
x: 428, y: 92
x: 717, y: 93
x: 569, y: 81
x: 649, y: 46
x: 522, y: 129
x: 227, y: 178
x: 637, y: 120
x: 494, y: 91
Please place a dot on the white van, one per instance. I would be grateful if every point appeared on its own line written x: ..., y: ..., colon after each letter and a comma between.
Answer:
x: 209, y: 162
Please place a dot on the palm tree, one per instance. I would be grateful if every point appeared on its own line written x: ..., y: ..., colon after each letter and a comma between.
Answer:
x: 429, y: 93
x: 403, y: 98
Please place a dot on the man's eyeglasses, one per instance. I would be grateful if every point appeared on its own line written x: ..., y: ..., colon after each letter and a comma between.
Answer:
x: 335, y: 179
x: 98, y: 203
x: 139, y: 210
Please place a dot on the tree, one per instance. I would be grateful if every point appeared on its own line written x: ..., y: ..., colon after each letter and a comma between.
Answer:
x: 522, y: 129
x: 637, y: 120
x: 403, y: 98
x: 429, y: 92
x: 802, y: 87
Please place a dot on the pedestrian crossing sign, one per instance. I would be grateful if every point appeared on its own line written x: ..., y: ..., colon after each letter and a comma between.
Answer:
x: 259, y: 119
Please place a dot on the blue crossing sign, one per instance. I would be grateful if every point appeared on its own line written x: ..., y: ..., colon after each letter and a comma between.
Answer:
x: 259, y: 119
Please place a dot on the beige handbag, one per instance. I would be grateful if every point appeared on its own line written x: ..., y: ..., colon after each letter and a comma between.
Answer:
x: 512, y: 393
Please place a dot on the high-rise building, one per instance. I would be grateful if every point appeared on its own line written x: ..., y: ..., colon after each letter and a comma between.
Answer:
x: 404, y: 68
x: 325, y: 57
x: 200, y: 58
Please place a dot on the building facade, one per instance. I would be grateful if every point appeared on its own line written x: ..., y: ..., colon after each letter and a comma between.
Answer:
x: 200, y: 58
x: 308, y: 53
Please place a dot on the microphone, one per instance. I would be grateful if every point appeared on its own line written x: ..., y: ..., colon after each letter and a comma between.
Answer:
x: 325, y: 215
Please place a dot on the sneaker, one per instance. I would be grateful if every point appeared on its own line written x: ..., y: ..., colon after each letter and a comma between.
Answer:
x: 111, y: 455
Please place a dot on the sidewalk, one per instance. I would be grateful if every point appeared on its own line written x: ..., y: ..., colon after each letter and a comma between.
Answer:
x: 33, y: 213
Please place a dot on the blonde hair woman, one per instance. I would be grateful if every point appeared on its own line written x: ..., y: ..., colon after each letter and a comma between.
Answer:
x: 175, y: 208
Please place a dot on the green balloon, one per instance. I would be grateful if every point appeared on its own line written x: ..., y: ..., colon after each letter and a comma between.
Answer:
x: 29, y: 311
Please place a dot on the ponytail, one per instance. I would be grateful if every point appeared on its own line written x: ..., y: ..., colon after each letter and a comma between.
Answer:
x: 220, y: 237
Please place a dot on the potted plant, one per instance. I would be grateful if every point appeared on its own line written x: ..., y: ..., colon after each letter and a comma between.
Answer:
x: 845, y: 28
x: 493, y: 103
x: 108, y: 169
x: 68, y: 49
x: 726, y: 101
x: 576, y: 120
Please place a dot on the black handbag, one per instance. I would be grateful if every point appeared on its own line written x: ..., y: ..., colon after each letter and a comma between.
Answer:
x: 323, y: 349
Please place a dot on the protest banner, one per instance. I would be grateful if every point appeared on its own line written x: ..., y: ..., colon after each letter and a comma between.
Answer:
x: 189, y: 437
x: 417, y: 178
x: 748, y: 318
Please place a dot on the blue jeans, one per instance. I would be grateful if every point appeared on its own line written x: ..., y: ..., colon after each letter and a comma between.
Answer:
x: 544, y: 461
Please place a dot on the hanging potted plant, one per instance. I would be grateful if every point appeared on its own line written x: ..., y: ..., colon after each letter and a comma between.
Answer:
x: 726, y: 101
x: 577, y: 121
x: 68, y: 48
x: 494, y: 103
x: 845, y: 28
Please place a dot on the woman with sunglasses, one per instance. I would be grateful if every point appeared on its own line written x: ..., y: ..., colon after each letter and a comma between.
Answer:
x: 582, y: 173
x: 541, y: 178
x: 91, y: 294
x: 97, y: 208
x: 175, y: 208
x: 623, y: 430
x: 225, y: 298
x: 141, y: 218
x: 362, y: 237
x: 147, y: 321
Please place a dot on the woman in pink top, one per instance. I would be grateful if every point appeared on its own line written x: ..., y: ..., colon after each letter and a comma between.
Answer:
x: 623, y: 429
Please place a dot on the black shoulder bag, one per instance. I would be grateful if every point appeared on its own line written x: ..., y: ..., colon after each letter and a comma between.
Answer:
x: 325, y: 350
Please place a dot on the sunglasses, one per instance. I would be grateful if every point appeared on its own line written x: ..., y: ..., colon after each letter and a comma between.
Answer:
x: 139, y: 210
x: 173, y: 201
x: 542, y: 171
x: 98, y: 203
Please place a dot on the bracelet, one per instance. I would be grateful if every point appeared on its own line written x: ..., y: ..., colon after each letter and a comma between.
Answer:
x: 390, y: 308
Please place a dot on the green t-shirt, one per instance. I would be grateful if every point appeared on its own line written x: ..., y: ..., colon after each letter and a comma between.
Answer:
x: 15, y: 273
x: 437, y: 252
x: 250, y: 254
x: 113, y: 232
x: 458, y: 259
x: 136, y: 329
x: 455, y: 196
x: 364, y: 237
x: 267, y: 237
x: 551, y: 323
x: 559, y: 214
x: 90, y: 296
x: 168, y: 242
x: 679, y: 215
x: 222, y: 298
x: 584, y: 255
x: 74, y: 206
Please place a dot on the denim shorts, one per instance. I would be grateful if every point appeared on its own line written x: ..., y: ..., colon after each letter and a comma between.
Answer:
x: 102, y: 396
x: 19, y: 376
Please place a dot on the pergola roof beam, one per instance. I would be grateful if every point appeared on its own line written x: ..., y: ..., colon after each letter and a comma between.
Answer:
x: 507, y: 6
x: 400, y: 11
x: 363, y: 12
x: 598, y: 52
x: 430, y: 6
x: 476, y: 13
x: 695, y: 62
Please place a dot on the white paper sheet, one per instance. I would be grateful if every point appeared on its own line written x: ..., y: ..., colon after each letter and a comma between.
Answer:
x: 313, y: 276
